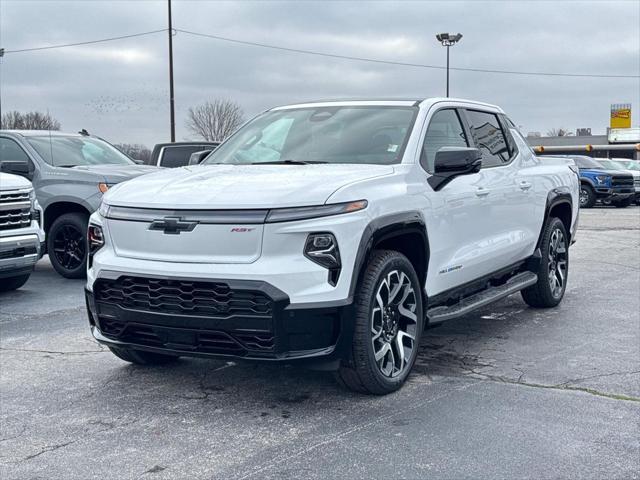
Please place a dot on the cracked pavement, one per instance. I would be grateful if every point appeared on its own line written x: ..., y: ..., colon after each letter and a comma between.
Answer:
x: 506, y: 392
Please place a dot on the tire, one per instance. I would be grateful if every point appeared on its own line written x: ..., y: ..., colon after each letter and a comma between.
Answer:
x: 553, y: 270
x: 587, y: 196
x: 67, y: 245
x: 139, y: 357
x: 623, y: 203
x: 13, y: 283
x: 373, y: 328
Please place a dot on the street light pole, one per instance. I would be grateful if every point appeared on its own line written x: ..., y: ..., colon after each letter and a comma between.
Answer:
x: 448, y: 40
x: 171, y: 100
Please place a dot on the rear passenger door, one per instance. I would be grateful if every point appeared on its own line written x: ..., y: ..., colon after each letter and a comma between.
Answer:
x: 507, y: 190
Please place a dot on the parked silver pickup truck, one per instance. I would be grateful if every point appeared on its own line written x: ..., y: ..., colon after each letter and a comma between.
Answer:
x: 21, y: 234
x: 70, y: 172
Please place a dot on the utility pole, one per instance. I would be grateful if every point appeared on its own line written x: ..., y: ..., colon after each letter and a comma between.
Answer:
x: 448, y: 40
x: 171, y: 99
x: 1, y: 55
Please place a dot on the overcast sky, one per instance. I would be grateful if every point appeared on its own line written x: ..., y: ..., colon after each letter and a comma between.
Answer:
x: 119, y: 89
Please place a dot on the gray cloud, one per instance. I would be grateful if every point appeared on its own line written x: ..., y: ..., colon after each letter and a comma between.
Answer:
x: 119, y: 89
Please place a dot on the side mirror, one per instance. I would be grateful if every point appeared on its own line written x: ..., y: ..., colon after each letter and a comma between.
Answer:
x: 452, y: 162
x: 17, y: 167
x: 196, y: 158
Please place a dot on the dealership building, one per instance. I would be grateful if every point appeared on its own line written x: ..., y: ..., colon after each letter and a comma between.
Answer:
x: 621, y: 141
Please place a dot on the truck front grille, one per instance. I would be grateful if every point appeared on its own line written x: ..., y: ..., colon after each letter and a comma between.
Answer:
x: 15, y: 209
x: 194, y: 298
x: 622, y: 181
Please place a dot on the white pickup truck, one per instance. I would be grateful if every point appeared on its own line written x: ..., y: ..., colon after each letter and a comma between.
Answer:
x: 331, y: 233
x: 21, y: 234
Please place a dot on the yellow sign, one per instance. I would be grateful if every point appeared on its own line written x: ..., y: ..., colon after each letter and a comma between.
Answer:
x: 620, y: 116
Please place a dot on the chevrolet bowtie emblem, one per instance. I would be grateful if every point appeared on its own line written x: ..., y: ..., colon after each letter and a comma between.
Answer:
x: 173, y: 225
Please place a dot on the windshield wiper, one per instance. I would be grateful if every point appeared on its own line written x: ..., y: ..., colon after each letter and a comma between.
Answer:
x: 66, y: 166
x: 288, y: 162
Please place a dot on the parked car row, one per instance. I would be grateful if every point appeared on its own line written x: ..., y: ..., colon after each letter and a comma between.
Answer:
x: 611, y: 182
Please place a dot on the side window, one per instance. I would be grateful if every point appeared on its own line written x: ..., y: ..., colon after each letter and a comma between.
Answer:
x: 489, y: 138
x: 444, y: 130
x: 10, y: 150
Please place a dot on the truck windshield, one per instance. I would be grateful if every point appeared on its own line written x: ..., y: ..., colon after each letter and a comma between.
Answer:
x: 586, y: 162
x: 328, y: 134
x: 61, y: 151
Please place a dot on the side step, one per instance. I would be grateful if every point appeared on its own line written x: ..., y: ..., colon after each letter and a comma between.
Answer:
x: 466, y: 305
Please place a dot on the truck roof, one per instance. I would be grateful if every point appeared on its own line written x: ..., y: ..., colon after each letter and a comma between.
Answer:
x: 40, y: 133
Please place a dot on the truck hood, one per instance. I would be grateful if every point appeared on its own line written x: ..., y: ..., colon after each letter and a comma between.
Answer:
x: 113, y: 174
x: 593, y: 171
x: 240, y: 186
x: 12, y: 182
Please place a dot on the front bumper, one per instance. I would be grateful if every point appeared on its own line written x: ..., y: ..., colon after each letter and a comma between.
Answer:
x: 612, y: 194
x: 239, y: 319
x: 19, y: 254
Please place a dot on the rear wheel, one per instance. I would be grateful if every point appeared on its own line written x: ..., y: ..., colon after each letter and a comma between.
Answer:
x: 67, y: 245
x: 140, y: 357
x: 13, y: 283
x: 553, y: 269
x: 587, y: 196
x: 388, y: 326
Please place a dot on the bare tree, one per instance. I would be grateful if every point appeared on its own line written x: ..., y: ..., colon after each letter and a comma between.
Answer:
x: 215, y: 121
x: 134, y: 150
x: 29, y: 121
x: 559, y: 132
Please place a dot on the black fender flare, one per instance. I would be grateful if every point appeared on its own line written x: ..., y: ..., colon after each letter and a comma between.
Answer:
x: 588, y: 181
x: 383, y: 228
x: 555, y: 197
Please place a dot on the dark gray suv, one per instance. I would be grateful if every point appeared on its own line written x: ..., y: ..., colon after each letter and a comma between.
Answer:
x: 69, y: 172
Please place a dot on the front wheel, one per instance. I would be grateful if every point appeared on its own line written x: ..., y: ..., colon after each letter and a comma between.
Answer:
x: 388, y: 326
x: 67, y: 245
x: 13, y: 283
x: 553, y: 269
x: 587, y: 196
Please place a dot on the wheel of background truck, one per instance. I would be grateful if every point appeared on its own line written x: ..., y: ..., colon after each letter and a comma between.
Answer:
x: 13, y: 283
x: 387, y: 328
x: 67, y: 245
x: 553, y: 270
x: 140, y: 357
x: 587, y: 196
x: 623, y: 203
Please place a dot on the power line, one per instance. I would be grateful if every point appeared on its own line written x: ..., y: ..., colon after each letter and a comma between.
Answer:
x: 403, y: 64
x: 329, y: 55
x: 64, y: 45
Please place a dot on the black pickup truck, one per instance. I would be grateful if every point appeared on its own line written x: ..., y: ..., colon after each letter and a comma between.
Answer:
x: 177, y: 154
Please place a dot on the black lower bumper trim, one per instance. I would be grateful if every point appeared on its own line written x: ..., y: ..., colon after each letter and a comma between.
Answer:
x: 317, y: 333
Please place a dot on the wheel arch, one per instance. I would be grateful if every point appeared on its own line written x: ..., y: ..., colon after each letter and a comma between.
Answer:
x: 56, y: 209
x: 405, y: 233
x: 560, y: 205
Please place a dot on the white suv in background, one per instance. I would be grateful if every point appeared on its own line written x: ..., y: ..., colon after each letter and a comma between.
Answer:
x: 331, y: 233
x: 21, y: 234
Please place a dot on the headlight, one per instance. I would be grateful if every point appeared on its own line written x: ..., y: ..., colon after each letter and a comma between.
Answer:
x: 95, y: 238
x: 103, y: 210
x: 304, y: 213
x: 602, y: 179
x: 322, y: 248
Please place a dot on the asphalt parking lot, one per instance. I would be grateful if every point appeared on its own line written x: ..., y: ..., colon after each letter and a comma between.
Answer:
x: 507, y: 392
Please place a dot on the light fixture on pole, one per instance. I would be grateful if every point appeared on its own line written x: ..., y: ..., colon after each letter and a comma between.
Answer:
x: 448, y: 40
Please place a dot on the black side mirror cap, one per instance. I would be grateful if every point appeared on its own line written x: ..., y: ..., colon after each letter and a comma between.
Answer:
x: 17, y: 167
x: 452, y: 162
x: 196, y: 158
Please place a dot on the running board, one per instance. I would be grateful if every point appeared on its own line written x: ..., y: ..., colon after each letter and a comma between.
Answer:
x: 473, y: 302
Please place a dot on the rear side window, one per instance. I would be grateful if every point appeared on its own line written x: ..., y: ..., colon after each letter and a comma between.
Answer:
x: 444, y: 130
x: 11, y: 151
x: 178, y: 156
x: 489, y: 138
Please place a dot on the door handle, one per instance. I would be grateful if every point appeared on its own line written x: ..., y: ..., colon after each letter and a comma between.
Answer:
x: 524, y: 185
x: 482, y: 192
